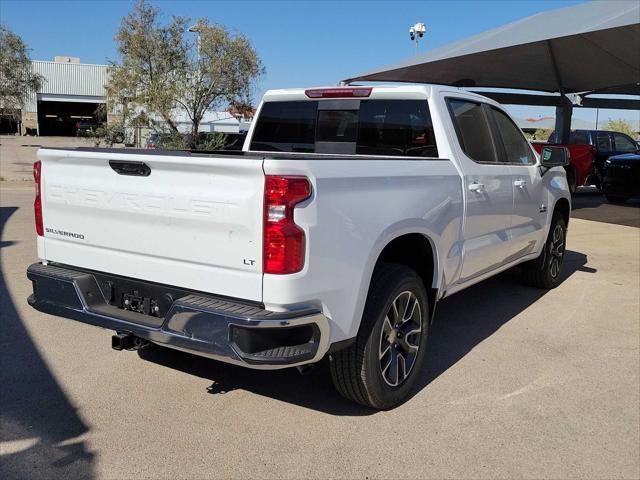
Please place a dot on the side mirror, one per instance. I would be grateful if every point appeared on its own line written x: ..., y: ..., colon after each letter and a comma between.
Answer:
x: 554, y: 157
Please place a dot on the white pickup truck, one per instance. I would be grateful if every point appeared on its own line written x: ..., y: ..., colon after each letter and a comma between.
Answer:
x: 349, y: 213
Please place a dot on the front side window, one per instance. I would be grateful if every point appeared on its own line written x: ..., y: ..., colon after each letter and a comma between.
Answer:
x: 473, y: 130
x: 624, y: 143
x: 516, y: 147
x: 366, y: 127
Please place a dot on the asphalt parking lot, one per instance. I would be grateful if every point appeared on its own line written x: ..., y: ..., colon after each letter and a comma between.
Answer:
x: 521, y: 383
x: 589, y: 204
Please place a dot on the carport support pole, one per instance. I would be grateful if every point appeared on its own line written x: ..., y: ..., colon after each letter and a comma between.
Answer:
x: 563, y: 120
x: 564, y: 110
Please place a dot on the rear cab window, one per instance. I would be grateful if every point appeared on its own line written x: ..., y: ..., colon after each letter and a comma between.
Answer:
x: 577, y: 137
x: 346, y: 126
x: 286, y: 127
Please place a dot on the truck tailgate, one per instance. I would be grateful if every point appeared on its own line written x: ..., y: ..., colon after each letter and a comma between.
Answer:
x: 193, y: 222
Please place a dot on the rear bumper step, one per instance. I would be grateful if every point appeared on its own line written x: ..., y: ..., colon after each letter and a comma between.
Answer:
x: 215, y: 327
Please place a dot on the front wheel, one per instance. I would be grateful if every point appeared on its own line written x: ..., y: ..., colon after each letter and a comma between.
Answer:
x: 546, y: 270
x: 381, y: 368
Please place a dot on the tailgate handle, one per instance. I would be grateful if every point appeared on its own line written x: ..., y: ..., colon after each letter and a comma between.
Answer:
x: 138, y: 169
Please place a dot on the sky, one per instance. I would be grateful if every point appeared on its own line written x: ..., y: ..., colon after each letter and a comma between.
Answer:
x: 301, y: 43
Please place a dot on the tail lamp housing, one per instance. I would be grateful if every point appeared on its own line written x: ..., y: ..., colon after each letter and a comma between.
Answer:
x: 37, y: 204
x: 283, y: 240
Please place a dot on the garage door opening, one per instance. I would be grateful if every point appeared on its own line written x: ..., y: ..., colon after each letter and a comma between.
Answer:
x: 8, y: 125
x: 62, y: 119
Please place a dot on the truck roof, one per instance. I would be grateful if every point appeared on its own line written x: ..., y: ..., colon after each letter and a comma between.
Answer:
x: 408, y: 91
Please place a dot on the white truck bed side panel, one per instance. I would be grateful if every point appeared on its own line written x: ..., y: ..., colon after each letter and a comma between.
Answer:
x: 357, y: 208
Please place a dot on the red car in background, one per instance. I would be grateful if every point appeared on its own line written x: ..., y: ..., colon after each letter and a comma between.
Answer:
x: 580, y: 171
x: 589, y: 149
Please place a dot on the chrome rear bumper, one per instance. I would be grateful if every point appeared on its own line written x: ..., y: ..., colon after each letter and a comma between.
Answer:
x: 220, y: 328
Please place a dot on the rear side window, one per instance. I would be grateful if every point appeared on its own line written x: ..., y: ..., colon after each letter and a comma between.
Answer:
x: 367, y: 127
x: 473, y: 130
x: 516, y: 147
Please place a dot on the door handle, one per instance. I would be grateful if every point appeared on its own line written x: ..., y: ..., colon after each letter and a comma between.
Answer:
x: 139, y: 169
x: 476, y: 187
x: 520, y: 183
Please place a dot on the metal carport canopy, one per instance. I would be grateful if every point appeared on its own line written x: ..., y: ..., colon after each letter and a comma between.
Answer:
x: 584, y: 48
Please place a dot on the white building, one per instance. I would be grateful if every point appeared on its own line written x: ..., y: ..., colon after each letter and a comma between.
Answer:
x: 72, y: 92
x: 223, y: 122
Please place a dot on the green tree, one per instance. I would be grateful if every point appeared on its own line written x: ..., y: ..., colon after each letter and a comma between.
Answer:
x: 620, y: 125
x: 151, y: 59
x: 222, y: 72
x: 542, y: 134
x: 166, y: 70
x: 17, y: 79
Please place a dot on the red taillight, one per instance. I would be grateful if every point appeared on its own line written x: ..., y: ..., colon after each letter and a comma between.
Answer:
x: 37, y: 204
x: 338, y: 92
x: 283, y: 240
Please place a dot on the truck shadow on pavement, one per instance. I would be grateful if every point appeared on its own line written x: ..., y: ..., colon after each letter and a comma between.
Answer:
x: 589, y: 204
x: 464, y: 320
x: 457, y: 329
x: 38, y: 423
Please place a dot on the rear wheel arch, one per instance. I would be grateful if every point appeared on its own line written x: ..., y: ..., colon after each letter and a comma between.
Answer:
x: 359, y: 371
x: 416, y: 251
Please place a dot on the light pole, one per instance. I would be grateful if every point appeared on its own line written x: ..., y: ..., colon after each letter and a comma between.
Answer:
x: 417, y: 32
x: 196, y: 29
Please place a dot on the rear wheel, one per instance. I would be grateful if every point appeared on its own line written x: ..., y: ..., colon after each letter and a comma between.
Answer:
x: 380, y: 369
x: 546, y: 270
x: 616, y: 199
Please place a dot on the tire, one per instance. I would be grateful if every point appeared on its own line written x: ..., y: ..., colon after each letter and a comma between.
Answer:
x: 616, y: 199
x: 358, y: 371
x: 546, y: 270
x: 598, y: 182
